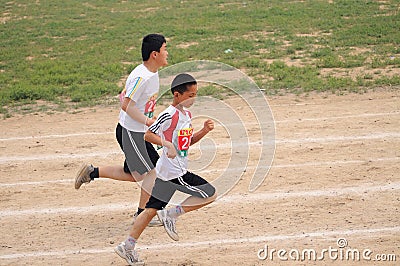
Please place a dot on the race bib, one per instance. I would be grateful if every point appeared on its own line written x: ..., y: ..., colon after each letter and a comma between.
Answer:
x: 149, y: 108
x: 184, y: 139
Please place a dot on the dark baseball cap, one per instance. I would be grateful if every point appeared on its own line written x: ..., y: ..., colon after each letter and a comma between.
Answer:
x: 182, y: 78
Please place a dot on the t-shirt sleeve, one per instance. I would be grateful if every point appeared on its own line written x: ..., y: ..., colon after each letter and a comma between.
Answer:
x: 161, y: 124
x: 134, y: 89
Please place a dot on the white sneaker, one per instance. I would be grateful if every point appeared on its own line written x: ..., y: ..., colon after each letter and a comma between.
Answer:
x: 83, y: 175
x: 153, y: 223
x: 131, y: 256
x: 169, y: 224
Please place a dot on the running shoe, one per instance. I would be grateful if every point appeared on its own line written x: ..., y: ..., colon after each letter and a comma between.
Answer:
x: 169, y: 224
x: 83, y: 176
x: 130, y: 255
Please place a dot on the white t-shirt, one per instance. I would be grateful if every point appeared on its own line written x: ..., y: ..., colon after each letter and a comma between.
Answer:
x: 174, y: 126
x: 142, y: 87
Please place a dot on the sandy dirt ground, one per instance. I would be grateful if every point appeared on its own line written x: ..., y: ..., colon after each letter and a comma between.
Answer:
x: 335, y: 175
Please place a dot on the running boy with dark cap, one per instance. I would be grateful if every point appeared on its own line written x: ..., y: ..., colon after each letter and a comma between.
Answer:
x: 173, y: 130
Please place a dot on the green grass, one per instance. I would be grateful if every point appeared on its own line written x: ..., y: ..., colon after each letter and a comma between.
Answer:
x: 77, y: 52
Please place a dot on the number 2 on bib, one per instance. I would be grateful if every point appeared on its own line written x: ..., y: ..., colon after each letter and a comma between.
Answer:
x: 184, y: 139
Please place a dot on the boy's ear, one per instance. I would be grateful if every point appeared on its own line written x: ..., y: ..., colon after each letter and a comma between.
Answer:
x: 176, y: 94
x: 153, y: 54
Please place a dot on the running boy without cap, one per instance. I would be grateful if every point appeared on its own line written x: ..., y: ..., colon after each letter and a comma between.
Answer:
x: 173, y: 130
x: 136, y: 114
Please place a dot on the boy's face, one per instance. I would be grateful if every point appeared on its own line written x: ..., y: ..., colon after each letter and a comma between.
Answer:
x: 162, y: 56
x: 187, y: 98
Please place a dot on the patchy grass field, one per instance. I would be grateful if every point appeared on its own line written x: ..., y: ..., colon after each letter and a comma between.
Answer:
x: 73, y: 53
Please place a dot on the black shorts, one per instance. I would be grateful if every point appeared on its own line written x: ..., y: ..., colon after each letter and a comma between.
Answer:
x: 151, y: 151
x: 189, y: 183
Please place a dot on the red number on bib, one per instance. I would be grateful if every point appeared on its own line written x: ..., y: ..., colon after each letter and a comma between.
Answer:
x: 184, y: 137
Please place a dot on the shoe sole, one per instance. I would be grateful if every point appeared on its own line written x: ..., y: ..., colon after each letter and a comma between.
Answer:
x: 156, y: 223
x: 119, y: 253
x: 151, y: 225
x: 159, y: 215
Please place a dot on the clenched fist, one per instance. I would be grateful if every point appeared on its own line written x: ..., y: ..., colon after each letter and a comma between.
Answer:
x: 209, y: 125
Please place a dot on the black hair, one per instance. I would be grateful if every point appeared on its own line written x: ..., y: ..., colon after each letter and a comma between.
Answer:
x: 151, y: 43
x: 182, y: 82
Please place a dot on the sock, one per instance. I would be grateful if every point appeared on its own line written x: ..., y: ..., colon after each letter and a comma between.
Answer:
x: 95, y: 173
x: 139, y: 210
x: 130, y: 243
x: 175, y: 212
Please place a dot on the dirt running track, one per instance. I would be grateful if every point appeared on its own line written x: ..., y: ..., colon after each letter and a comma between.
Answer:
x: 336, y: 174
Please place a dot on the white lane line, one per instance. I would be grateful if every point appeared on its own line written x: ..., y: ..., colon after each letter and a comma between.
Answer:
x: 39, y: 183
x: 50, y: 157
x: 338, y: 162
x: 373, y: 136
x: 300, y: 165
x: 299, y: 120
x: 69, y: 210
x: 363, y: 233
x: 234, y: 170
x: 257, y: 239
x: 54, y: 136
x: 231, y: 199
x: 330, y: 192
x: 316, y: 119
x: 45, y: 157
x: 337, y: 117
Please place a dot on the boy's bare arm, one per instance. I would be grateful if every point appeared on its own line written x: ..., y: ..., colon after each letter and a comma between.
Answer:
x: 208, y: 126
x: 130, y: 108
x: 155, y: 139
x: 152, y: 138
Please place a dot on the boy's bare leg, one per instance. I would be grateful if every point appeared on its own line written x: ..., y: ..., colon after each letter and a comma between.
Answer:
x: 147, y: 187
x: 87, y: 173
x: 126, y: 249
x: 141, y: 222
x: 117, y: 173
x: 193, y: 203
x: 169, y: 216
